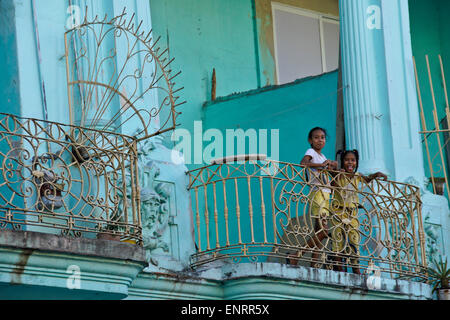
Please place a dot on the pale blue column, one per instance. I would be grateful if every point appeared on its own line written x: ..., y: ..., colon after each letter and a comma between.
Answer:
x: 380, y: 100
x: 366, y: 109
x: 27, y: 60
x: 402, y: 95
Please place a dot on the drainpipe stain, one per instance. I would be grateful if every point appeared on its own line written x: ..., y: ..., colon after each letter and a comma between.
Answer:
x: 19, y: 268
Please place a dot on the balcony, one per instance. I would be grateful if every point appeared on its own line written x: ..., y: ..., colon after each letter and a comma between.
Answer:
x: 67, y: 180
x: 266, y: 211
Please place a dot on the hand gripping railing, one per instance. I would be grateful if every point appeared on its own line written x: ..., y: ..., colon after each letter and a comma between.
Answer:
x: 263, y: 210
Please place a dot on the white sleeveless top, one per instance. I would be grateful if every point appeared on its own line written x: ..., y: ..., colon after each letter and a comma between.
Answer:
x: 317, y: 178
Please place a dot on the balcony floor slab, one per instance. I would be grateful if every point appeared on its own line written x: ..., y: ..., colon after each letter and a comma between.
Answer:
x: 271, y: 281
x: 43, y: 266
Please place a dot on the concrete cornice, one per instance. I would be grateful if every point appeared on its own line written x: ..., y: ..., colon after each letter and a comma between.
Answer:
x: 43, y: 266
x: 269, y: 281
x: 75, y: 246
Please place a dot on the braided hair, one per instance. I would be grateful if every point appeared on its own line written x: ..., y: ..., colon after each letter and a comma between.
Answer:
x: 343, y: 153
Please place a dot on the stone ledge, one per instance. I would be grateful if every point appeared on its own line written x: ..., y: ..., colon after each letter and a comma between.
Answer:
x: 41, y: 266
x: 345, y: 284
x: 253, y: 92
x: 76, y: 246
x: 269, y: 281
x: 36, y: 274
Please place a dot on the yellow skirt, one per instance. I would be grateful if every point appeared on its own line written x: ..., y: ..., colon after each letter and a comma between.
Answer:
x: 345, y: 230
x: 320, y: 204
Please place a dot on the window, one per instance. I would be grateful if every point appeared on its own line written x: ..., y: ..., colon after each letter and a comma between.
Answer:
x: 306, y: 43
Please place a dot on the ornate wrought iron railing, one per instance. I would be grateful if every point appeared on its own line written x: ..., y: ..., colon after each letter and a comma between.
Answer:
x: 119, y: 77
x: 49, y: 181
x: 274, y: 211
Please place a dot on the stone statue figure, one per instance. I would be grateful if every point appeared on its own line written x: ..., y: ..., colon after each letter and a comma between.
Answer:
x: 154, y: 201
x: 155, y: 218
x: 154, y: 196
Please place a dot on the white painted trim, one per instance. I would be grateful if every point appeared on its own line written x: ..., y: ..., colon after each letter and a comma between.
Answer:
x: 328, y: 20
x: 275, y: 44
x: 322, y: 46
x: 304, y: 12
x: 321, y: 17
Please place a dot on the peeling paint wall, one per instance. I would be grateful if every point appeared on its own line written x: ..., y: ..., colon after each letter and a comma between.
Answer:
x: 429, y: 32
x: 234, y: 37
x: 9, y: 78
x: 429, y: 36
x: 293, y: 109
x: 203, y: 35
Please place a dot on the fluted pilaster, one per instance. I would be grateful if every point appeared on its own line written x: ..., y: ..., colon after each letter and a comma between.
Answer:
x: 364, y: 79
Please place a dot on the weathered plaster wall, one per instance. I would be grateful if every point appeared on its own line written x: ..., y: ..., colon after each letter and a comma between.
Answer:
x: 202, y: 35
x: 247, y: 281
x: 42, y: 266
x: 444, y: 9
x: 293, y: 109
x: 324, y: 6
x: 224, y: 35
x: 429, y: 34
x: 9, y: 78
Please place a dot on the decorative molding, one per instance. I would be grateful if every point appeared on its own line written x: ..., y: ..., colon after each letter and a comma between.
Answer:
x: 154, y: 202
x: 270, y: 281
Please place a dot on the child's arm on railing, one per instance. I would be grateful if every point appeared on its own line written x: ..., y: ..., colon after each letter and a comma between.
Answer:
x: 328, y: 164
x: 375, y: 176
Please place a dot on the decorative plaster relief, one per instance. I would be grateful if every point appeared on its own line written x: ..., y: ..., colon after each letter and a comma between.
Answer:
x: 154, y: 201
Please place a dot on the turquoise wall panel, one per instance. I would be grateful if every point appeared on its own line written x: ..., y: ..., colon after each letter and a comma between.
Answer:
x: 51, y: 17
x: 9, y: 96
x: 429, y: 34
x: 293, y: 109
x: 202, y: 35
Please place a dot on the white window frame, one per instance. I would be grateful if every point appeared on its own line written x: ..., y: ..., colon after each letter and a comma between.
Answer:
x: 307, y: 13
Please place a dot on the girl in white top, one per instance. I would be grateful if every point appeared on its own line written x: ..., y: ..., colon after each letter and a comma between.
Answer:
x: 313, y: 157
x: 319, y: 195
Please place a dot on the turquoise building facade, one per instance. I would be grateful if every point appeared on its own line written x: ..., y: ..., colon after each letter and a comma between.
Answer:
x: 231, y: 74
